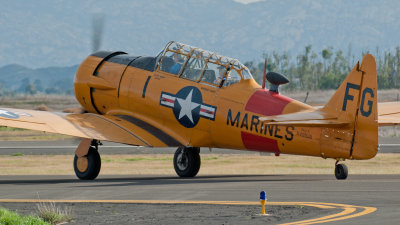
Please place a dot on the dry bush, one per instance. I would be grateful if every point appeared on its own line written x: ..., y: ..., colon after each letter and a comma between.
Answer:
x: 77, y: 110
x: 42, y: 107
x: 53, y: 214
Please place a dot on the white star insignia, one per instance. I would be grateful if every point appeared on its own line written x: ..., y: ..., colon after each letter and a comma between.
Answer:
x: 6, y: 113
x: 187, y: 106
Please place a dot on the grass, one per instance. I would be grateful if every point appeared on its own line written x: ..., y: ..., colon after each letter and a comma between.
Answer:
x: 9, y: 218
x: 212, y: 164
x: 55, y: 102
x: 17, y: 154
x: 17, y: 134
x: 136, y: 159
x: 210, y: 158
x: 52, y: 214
x: 148, y: 159
x: 10, y: 129
x: 103, y: 160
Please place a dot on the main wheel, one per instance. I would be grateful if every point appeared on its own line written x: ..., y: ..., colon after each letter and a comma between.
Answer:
x: 341, y: 171
x: 187, y: 161
x: 88, y: 167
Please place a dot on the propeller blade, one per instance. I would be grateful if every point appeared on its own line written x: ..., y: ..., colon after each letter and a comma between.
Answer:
x: 97, y: 31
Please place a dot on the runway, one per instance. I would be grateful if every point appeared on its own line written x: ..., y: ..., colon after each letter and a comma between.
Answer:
x: 67, y: 147
x: 173, y: 197
x: 367, y: 191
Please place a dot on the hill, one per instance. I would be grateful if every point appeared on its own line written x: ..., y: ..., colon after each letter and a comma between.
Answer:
x: 15, y: 78
x: 58, y: 33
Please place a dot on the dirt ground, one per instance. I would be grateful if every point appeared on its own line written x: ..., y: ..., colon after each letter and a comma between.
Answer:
x: 106, y: 213
x: 212, y: 164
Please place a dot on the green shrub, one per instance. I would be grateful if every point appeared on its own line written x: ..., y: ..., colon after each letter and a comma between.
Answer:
x: 10, y: 218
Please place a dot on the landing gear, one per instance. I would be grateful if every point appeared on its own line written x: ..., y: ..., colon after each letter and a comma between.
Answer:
x: 187, y: 161
x: 341, y: 171
x: 87, y: 166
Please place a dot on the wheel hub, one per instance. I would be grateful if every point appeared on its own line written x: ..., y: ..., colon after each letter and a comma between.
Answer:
x: 82, y: 164
x: 182, y: 161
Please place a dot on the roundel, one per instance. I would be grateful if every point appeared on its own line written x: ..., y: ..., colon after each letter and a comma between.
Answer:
x: 187, y: 106
x: 8, y: 114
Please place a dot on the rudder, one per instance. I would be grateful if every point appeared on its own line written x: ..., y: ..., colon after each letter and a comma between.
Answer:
x: 366, y: 128
x: 356, y: 101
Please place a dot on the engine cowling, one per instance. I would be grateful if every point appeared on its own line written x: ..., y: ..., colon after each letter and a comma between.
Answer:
x: 97, y: 81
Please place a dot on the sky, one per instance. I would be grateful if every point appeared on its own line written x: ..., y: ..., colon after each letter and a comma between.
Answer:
x: 58, y: 32
x: 247, y: 1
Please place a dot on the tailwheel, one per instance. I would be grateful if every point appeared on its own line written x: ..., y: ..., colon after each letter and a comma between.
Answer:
x: 187, y: 161
x: 341, y: 171
x: 88, y: 167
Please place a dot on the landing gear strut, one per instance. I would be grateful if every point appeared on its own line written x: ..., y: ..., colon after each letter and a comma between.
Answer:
x: 187, y: 161
x: 87, y: 161
x: 341, y: 171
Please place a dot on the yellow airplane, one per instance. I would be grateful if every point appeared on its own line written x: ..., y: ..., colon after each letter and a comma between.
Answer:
x: 188, y: 98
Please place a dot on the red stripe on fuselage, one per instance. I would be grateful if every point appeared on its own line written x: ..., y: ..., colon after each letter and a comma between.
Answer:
x: 168, y: 100
x: 267, y: 103
x: 259, y: 143
x: 207, y: 111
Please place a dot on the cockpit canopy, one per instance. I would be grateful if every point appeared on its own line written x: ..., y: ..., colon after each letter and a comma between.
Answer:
x: 199, y: 65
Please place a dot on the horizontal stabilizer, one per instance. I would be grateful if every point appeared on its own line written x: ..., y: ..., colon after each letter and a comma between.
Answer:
x: 389, y: 113
x: 312, y: 123
x: 391, y: 120
x: 314, y: 118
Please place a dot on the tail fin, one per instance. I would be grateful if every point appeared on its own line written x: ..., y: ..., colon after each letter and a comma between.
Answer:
x: 356, y: 101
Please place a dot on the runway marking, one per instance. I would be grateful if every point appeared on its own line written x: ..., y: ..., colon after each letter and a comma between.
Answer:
x: 349, y: 211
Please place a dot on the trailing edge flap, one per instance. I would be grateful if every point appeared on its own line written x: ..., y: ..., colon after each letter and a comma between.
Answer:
x: 388, y: 113
x: 88, y: 125
x: 315, y: 118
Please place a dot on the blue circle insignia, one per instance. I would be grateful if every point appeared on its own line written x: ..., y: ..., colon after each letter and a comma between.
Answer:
x: 187, y: 106
x: 8, y: 114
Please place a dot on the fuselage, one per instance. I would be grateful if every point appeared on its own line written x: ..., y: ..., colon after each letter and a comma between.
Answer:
x: 183, y: 112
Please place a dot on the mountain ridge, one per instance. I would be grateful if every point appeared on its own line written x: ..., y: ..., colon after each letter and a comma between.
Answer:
x: 58, y: 33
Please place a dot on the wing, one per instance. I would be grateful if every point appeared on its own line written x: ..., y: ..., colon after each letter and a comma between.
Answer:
x: 388, y: 113
x: 121, y: 129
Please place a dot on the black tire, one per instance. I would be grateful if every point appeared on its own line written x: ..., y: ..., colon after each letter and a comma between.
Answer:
x: 341, y: 171
x: 93, y: 165
x: 187, y: 161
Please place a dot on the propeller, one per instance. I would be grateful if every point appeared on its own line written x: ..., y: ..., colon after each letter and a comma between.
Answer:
x: 97, y: 36
x: 97, y: 30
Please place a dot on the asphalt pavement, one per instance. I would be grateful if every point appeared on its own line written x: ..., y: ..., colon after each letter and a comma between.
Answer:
x: 361, y: 194
x: 380, y: 192
x: 67, y: 147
